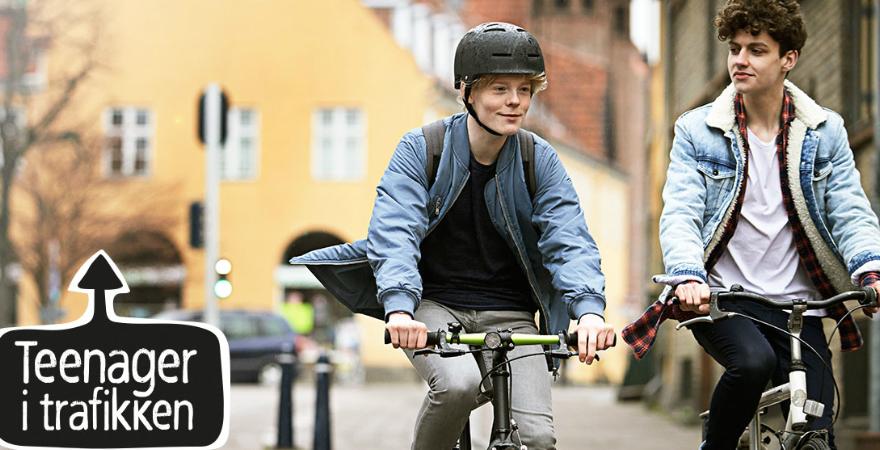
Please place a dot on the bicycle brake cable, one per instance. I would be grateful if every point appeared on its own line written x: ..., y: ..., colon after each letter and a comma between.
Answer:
x: 493, y: 369
x: 848, y: 313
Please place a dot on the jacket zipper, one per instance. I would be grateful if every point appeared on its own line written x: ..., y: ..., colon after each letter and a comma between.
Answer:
x: 523, y: 262
x: 438, y: 203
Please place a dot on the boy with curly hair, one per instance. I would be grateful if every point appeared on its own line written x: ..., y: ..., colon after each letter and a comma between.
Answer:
x: 761, y: 191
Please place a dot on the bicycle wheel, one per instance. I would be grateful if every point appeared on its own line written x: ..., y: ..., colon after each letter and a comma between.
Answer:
x: 815, y: 443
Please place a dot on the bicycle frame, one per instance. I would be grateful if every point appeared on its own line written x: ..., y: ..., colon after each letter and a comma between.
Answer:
x: 499, y: 342
x: 503, y: 426
x: 800, y: 407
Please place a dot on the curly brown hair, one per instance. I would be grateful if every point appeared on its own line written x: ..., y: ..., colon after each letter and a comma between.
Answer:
x: 781, y: 19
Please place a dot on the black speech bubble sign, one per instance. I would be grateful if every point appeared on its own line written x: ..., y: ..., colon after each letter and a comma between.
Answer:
x: 104, y: 381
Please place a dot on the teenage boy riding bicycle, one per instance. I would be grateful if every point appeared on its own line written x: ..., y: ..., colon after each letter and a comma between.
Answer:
x: 472, y: 245
x: 761, y: 191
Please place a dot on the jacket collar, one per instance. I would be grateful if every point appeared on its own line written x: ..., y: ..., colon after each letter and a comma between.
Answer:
x: 722, y: 116
x: 462, y: 148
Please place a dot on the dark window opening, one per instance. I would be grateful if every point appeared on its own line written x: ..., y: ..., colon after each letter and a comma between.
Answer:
x: 587, y: 6
x: 621, y: 21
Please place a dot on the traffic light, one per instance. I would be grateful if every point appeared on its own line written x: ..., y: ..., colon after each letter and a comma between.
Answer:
x: 223, y: 287
x: 196, y: 225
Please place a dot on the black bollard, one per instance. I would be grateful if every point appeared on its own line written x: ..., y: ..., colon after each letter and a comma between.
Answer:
x: 323, y: 372
x: 285, y: 403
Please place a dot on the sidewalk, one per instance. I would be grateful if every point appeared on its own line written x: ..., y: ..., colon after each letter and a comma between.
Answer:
x: 381, y: 417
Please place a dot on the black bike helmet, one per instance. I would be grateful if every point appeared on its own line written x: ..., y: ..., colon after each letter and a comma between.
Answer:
x: 495, y: 48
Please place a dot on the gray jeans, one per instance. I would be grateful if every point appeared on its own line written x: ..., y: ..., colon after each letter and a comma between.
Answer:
x: 454, y: 382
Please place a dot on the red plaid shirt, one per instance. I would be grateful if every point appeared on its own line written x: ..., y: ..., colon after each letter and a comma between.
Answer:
x: 640, y: 334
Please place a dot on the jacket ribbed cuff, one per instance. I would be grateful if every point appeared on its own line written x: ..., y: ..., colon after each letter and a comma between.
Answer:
x: 588, y: 304
x: 398, y: 301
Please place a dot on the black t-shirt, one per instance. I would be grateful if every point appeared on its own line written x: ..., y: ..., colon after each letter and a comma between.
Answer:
x: 465, y: 261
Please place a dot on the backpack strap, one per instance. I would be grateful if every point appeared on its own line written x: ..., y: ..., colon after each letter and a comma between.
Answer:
x: 434, y: 133
x: 527, y: 152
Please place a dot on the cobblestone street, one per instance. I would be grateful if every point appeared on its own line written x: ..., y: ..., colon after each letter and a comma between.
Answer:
x: 381, y: 417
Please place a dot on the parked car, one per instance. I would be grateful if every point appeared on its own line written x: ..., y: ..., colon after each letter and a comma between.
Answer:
x: 256, y: 338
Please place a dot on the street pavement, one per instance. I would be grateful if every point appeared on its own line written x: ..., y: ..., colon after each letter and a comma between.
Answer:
x: 380, y: 416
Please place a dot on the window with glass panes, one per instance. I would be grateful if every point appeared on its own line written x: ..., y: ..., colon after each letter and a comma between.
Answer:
x: 128, y: 143
x: 338, y: 144
x: 860, y: 45
x: 240, y: 155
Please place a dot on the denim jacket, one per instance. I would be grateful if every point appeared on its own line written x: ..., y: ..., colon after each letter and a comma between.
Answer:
x: 549, y: 236
x: 705, y: 170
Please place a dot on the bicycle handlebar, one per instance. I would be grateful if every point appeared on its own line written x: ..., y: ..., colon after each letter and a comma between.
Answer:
x: 434, y: 338
x: 866, y: 297
x: 480, y: 338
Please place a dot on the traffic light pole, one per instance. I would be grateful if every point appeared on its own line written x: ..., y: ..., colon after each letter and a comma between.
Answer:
x: 212, y: 198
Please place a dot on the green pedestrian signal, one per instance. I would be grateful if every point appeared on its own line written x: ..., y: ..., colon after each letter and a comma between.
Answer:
x: 223, y: 287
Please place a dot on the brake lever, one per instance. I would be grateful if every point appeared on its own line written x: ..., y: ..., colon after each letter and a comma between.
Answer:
x: 715, y: 313
x: 701, y: 319
x: 561, y: 352
x: 443, y: 348
x: 448, y: 352
x: 557, y: 354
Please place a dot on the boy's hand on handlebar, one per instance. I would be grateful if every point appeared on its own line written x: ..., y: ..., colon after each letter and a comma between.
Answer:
x: 593, y: 335
x: 871, y: 310
x: 406, y: 332
x: 693, y: 296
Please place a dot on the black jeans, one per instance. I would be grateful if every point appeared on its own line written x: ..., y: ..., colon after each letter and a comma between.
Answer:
x: 753, y: 355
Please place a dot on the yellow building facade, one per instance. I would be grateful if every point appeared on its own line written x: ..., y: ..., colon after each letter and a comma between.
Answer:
x: 312, y: 78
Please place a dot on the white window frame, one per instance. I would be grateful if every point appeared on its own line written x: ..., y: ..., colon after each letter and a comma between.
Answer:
x: 129, y: 133
x: 334, y: 156
x: 231, y: 157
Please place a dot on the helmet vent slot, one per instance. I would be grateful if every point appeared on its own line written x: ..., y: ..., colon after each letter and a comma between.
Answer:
x: 503, y: 55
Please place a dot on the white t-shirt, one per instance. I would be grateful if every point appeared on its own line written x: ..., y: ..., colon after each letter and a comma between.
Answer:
x: 761, y: 256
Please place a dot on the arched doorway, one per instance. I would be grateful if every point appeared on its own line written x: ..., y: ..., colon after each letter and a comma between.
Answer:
x: 309, y: 307
x: 154, y: 270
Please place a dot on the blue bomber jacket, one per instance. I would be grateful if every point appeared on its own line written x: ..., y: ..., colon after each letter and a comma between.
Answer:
x: 548, y: 235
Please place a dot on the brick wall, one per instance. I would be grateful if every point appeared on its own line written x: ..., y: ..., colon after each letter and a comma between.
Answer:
x: 581, y: 49
x: 511, y: 11
x: 697, y: 56
x: 819, y: 71
x: 576, y: 96
x: 694, y: 53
